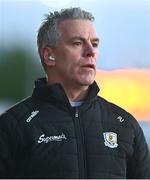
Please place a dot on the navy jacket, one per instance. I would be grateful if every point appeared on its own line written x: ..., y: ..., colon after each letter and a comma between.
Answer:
x: 44, y: 137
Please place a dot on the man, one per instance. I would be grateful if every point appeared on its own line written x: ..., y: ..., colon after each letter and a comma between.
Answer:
x: 64, y: 130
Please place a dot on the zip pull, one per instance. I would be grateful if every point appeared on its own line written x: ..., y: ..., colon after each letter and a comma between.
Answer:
x: 76, y: 113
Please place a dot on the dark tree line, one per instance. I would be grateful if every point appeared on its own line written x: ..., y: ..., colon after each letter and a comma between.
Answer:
x: 18, y: 70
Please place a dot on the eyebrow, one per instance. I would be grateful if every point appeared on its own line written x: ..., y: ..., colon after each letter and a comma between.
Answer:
x: 84, y: 39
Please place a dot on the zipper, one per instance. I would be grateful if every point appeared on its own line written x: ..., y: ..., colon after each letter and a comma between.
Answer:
x: 76, y: 113
x: 80, y: 146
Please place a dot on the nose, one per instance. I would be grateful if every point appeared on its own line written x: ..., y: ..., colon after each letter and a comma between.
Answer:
x: 89, y: 51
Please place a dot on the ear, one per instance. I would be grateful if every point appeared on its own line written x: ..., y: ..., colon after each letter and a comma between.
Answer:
x: 45, y: 53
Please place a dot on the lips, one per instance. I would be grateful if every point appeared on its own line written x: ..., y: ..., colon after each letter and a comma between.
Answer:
x: 91, y: 66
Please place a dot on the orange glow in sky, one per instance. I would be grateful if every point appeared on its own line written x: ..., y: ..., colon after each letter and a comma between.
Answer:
x: 128, y: 88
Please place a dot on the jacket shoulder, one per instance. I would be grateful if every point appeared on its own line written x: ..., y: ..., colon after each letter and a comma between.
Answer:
x: 119, y: 114
x: 16, y: 113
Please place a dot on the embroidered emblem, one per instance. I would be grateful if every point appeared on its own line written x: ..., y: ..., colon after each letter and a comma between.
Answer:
x: 120, y: 118
x: 44, y: 139
x: 33, y: 114
x: 110, y: 139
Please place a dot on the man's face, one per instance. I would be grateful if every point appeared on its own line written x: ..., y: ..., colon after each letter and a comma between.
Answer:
x: 76, y: 52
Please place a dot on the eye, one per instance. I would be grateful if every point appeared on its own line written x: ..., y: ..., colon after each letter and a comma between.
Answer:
x: 95, y: 44
x: 77, y: 43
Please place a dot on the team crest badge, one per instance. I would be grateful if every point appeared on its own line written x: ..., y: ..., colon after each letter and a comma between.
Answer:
x: 110, y: 139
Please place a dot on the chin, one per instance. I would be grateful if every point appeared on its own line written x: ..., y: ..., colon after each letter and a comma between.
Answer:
x: 87, y: 82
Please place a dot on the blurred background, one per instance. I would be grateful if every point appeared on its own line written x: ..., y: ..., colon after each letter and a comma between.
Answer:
x: 123, y: 68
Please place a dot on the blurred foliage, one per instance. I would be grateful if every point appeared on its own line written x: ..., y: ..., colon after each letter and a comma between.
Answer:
x: 18, y: 70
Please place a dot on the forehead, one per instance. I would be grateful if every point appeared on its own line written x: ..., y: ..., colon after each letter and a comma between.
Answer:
x: 70, y: 28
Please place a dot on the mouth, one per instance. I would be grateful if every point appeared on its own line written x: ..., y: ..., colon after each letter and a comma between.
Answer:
x: 89, y: 66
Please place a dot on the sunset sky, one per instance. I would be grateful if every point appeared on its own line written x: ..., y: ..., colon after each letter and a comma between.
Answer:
x: 129, y: 89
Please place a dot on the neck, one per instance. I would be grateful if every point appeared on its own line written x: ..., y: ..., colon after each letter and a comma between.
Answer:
x: 74, y: 93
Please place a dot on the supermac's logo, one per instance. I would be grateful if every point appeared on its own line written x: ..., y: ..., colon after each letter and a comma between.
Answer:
x: 110, y: 139
x: 47, y: 139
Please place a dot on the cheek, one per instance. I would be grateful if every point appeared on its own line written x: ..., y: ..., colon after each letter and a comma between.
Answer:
x: 72, y: 62
x: 69, y: 60
x: 73, y: 68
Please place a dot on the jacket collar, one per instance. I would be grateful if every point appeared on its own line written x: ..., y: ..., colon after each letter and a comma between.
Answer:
x: 55, y: 92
